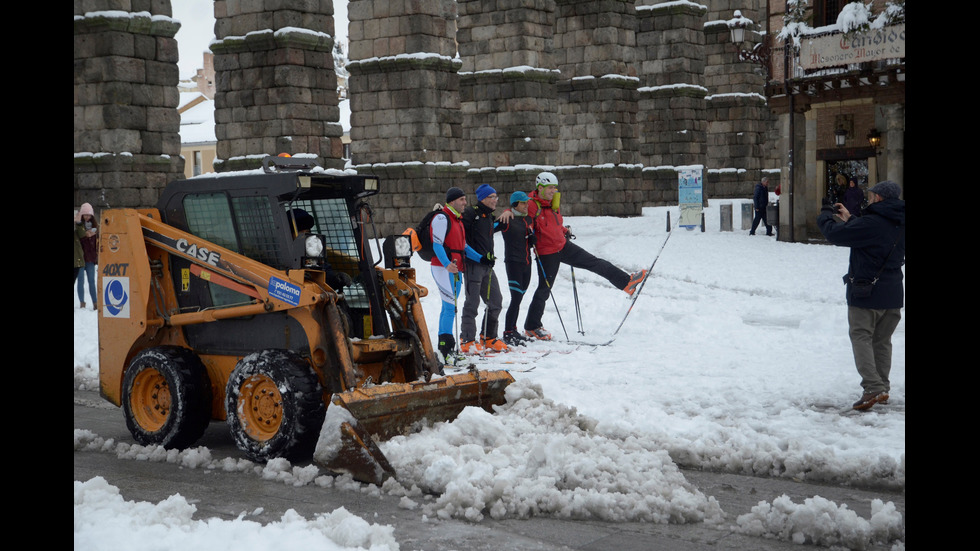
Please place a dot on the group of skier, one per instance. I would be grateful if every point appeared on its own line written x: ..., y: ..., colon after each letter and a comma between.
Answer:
x: 534, y: 234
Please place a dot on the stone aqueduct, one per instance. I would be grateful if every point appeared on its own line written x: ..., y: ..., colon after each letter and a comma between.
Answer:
x: 612, y: 95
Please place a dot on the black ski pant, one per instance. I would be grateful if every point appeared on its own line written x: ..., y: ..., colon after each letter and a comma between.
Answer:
x: 576, y: 257
x: 518, y: 279
x: 481, y: 286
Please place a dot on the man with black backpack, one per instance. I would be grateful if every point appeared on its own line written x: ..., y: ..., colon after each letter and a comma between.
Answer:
x: 450, y: 251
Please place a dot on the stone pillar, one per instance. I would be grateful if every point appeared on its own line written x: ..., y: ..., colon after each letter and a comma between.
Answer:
x: 796, y: 195
x: 671, y: 109
x: 508, y: 93
x: 276, y: 86
x: 738, y: 113
x: 673, y: 126
x: 894, y: 143
x: 595, y: 47
x: 126, y: 126
x: 405, y: 104
x: 404, y: 86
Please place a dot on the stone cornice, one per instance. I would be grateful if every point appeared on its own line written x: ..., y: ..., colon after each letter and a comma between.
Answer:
x: 123, y: 21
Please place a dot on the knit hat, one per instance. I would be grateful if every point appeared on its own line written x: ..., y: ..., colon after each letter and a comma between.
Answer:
x: 453, y: 193
x: 518, y: 197
x: 886, y: 190
x: 86, y: 209
x: 484, y: 191
x: 303, y: 219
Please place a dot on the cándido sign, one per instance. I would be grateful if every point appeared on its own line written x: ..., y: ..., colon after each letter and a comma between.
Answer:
x: 842, y: 49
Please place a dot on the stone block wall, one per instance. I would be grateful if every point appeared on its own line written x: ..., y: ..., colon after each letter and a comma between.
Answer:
x: 126, y: 127
x: 275, y: 80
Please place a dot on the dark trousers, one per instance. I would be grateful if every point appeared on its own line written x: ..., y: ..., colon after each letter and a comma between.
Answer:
x: 760, y: 214
x: 518, y: 279
x: 481, y: 286
x: 576, y: 257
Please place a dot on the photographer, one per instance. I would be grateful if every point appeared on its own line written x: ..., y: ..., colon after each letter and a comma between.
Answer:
x: 875, y: 294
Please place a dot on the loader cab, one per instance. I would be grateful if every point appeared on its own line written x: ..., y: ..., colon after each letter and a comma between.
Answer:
x: 249, y: 213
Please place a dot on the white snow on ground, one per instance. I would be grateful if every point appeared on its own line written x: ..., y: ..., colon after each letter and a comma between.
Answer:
x: 734, y: 358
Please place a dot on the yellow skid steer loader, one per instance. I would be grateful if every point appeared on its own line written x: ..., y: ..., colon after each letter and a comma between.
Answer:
x: 254, y: 297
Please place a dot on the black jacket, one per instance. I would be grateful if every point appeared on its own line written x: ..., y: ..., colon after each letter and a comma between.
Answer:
x: 760, y: 197
x: 479, y: 223
x: 871, y: 238
x: 518, y: 239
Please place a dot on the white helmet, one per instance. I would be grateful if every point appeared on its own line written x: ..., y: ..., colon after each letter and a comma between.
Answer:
x: 546, y: 179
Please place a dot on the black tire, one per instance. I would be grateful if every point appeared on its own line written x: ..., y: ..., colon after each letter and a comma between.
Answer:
x: 167, y: 397
x: 274, y: 404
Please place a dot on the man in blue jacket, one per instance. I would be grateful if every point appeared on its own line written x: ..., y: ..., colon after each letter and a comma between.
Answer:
x: 760, y: 200
x: 875, y: 294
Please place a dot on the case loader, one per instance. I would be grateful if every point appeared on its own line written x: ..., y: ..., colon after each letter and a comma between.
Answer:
x: 219, y: 305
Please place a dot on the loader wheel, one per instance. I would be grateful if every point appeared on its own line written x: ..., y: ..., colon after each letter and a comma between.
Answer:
x: 275, y: 406
x: 167, y: 397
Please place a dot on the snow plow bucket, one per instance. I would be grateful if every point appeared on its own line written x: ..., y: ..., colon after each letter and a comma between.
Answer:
x: 357, y: 418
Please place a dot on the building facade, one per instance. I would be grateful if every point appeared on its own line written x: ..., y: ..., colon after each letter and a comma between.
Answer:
x: 837, y: 87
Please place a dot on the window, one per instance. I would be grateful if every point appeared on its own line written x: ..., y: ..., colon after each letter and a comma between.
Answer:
x: 197, y: 163
x: 333, y: 221
x: 825, y: 12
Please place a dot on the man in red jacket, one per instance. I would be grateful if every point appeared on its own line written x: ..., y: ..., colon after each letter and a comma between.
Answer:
x: 553, y: 248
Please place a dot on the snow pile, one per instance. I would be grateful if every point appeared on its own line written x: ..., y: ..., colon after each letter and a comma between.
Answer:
x: 536, y: 457
x: 822, y: 522
x: 105, y: 521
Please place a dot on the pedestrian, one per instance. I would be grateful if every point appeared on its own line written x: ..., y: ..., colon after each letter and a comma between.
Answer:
x: 518, y: 241
x: 79, y: 253
x: 553, y: 248
x: 448, y: 262
x: 760, y: 200
x: 853, y: 197
x: 90, y: 254
x: 875, y: 294
x: 481, y: 285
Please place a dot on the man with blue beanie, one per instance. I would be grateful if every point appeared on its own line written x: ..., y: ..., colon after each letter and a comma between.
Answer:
x: 481, y: 283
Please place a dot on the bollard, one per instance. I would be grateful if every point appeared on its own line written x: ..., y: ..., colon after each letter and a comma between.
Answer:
x: 726, y: 217
x: 748, y: 213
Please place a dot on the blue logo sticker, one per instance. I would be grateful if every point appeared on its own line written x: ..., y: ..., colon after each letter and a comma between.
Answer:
x: 115, y: 297
x: 284, y: 291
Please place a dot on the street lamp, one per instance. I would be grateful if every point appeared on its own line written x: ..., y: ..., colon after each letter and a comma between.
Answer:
x: 760, y: 53
x: 840, y: 136
x: 874, y: 138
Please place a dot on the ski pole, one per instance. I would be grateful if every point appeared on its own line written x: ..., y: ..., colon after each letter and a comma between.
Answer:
x: 552, y: 295
x: 486, y: 313
x: 578, y: 311
x: 456, y: 279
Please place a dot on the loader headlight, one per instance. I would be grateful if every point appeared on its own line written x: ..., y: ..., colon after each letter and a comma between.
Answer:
x: 314, y: 247
x: 397, y: 250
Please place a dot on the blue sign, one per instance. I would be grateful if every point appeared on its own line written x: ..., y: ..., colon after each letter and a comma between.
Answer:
x: 284, y: 291
x: 689, y: 197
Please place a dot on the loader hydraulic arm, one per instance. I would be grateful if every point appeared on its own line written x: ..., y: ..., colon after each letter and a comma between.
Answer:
x: 272, y: 289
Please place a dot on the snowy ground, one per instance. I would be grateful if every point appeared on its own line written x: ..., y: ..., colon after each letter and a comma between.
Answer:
x: 735, y: 358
